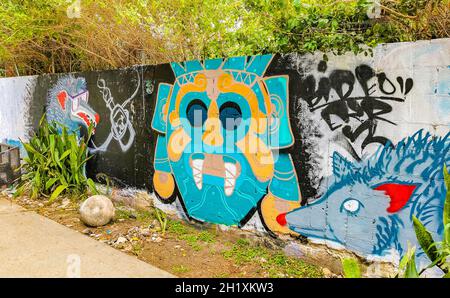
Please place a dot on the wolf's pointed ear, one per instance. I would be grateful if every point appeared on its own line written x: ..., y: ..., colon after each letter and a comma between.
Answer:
x: 280, y: 133
x: 341, y: 166
x: 399, y: 193
x: 159, y: 121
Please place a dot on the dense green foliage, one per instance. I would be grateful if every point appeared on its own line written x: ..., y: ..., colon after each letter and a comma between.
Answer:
x: 39, y: 36
x: 55, y: 163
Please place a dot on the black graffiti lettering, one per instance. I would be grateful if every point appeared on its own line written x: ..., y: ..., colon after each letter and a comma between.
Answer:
x: 309, y: 92
x: 363, y: 74
x: 366, y: 110
x: 382, y: 80
x: 338, y: 108
x: 339, y: 78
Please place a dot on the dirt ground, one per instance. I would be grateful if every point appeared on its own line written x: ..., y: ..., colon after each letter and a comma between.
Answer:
x: 183, y: 249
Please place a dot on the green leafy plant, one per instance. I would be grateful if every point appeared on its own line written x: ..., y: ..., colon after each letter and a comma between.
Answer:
x: 180, y: 268
x: 351, y: 268
x: 437, y: 252
x: 55, y: 163
x: 408, y: 264
x: 161, y: 216
x: 107, y: 180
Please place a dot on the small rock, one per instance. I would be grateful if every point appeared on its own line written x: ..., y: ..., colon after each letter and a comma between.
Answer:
x: 154, y: 224
x: 133, y: 230
x: 177, y: 246
x: 293, y: 249
x: 97, y: 211
x: 87, y: 231
x: 65, y: 203
x: 41, y: 205
x: 327, y: 272
x: 158, y: 239
x: 121, y: 240
x: 127, y: 248
x: 145, y: 232
x: 141, y: 202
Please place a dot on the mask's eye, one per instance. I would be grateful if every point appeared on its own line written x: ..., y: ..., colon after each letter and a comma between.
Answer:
x: 351, y: 206
x: 230, y: 115
x: 196, y: 112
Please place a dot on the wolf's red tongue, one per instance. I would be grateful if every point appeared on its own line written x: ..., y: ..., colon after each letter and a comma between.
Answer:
x: 399, y: 194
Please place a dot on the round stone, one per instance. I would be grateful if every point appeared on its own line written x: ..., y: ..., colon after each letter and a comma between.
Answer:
x: 97, y: 211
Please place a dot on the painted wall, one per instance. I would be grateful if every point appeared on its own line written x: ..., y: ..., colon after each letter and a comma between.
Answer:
x: 342, y: 151
x: 15, y: 102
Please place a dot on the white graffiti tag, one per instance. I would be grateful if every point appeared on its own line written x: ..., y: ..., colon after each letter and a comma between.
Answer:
x: 121, y: 126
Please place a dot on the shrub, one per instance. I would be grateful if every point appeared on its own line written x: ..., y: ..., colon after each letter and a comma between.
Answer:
x: 55, y: 163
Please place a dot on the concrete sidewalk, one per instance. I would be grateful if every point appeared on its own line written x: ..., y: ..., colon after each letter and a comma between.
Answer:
x: 34, y: 246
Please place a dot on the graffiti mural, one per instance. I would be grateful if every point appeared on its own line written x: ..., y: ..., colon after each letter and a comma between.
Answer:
x: 359, y: 113
x: 67, y: 103
x: 342, y: 151
x: 220, y: 127
x: 369, y: 205
x: 121, y: 127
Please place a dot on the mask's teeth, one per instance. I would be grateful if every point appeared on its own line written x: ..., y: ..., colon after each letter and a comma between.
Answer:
x: 197, y: 172
x: 230, y: 178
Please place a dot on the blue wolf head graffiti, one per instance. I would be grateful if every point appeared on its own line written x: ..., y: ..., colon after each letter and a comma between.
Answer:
x: 368, y: 206
x: 67, y: 104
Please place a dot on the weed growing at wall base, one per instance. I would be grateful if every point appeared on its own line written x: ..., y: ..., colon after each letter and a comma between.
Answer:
x: 55, y: 163
x: 243, y: 252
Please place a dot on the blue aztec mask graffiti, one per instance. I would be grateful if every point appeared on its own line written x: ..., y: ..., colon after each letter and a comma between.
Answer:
x: 220, y: 127
x: 368, y: 206
x: 67, y: 104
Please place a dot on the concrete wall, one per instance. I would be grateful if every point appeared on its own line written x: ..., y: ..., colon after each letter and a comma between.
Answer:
x: 342, y: 151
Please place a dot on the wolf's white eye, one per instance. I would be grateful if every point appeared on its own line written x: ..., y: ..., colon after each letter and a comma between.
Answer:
x: 351, y: 205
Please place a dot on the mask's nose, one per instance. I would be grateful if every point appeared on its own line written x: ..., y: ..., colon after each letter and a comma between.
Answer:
x: 212, y: 135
